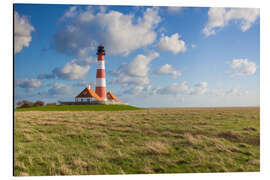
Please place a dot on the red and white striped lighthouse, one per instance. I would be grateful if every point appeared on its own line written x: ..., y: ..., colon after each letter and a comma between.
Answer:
x: 100, y: 77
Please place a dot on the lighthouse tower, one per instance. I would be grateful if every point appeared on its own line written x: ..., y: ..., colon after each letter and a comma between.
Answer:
x: 100, y: 77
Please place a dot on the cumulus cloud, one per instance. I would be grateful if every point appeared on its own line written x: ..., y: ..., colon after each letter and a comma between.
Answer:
x: 76, y: 69
x: 135, y: 72
x: 56, y: 90
x: 175, y: 88
x: 28, y: 84
x: 168, y: 70
x: 179, y: 89
x: 173, y: 44
x: 119, y: 33
x: 218, y: 18
x: 126, y: 80
x: 243, y: 67
x: 133, y: 91
x: 59, y: 89
x: 139, y: 65
x: 70, y: 13
x: 71, y: 71
x: 144, y: 90
x: 200, y: 88
x: 22, y: 32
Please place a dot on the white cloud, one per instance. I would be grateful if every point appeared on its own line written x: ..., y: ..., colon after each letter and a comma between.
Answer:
x: 193, y: 46
x: 168, y: 70
x: 173, y: 44
x: 81, y: 83
x: 135, y: 72
x: 119, y: 33
x: 28, y: 84
x: 243, y: 67
x: 102, y: 9
x: 70, y: 13
x: 230, y: 92
x: 76, y: 69
x: 72, y: 71
x: 221, y: 17
x: 177, y: 90
x: 200, y: 88
x: 236, y: 91
x: 182, y: 89
x: 22, y: 32
x: 85, y: 60
x: 126, y: 80
x: 133, y: 91
x: 59, y: 89
x: 174, y: 89
x: 138, y: 90
x: 175, y: 9
x: 139, y: 65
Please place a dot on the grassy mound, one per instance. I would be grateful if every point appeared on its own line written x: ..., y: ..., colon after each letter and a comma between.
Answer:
x: 100, y: 107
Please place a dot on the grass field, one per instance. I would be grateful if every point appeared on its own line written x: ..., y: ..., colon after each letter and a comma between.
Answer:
x: 179, y: 140
x: 100, y: 107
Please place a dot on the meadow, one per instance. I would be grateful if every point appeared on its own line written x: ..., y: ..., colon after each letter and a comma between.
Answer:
x: 157, y: 140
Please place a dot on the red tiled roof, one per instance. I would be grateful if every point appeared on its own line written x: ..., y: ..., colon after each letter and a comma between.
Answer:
x: 111, y: 96
x: 87, y: 93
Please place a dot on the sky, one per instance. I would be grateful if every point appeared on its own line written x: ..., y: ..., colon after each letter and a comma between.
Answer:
x: 155, y: 56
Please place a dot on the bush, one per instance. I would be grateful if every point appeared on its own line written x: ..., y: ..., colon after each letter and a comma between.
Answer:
x: 51, y: 104
x: 19, y: 104
x: 39, y: 103
x: 25, y: 103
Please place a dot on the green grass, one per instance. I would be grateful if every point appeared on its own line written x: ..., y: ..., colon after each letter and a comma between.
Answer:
x: 176, y: 140
x: 100, y: 107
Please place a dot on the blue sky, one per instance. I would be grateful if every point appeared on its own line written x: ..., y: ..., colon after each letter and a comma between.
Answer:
x: 156, y: 56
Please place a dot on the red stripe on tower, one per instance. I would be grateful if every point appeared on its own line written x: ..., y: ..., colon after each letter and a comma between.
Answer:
x: 100, y: 77
x: 100, y: 73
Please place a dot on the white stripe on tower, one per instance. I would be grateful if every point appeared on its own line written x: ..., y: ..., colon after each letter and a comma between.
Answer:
x: 101, y: 65
x: 100, y: 77
x: 101, y: 82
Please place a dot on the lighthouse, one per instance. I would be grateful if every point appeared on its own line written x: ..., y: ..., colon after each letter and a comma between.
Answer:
x: 100, y: 76
x: 100, y: 96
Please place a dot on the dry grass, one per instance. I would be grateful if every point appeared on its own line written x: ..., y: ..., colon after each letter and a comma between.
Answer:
x: 156, y: 148
x: 171, y: 140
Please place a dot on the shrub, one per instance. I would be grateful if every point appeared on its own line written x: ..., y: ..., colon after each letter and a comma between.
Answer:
x: 39, y: 103
x: 26, y: 103
x: 19, y: 104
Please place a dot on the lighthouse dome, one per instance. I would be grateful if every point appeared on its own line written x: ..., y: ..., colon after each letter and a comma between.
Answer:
x: 101, y: 50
